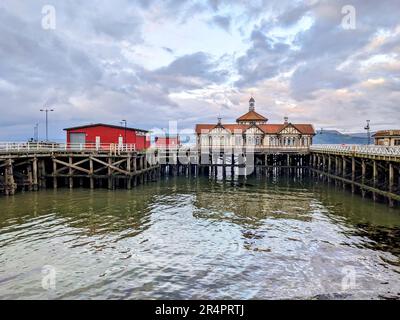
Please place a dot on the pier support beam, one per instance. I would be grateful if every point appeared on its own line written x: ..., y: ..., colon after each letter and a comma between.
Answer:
x: 110, y: 177
x: 35, y: 174
x: 71, y: 173
x: 363, y: 175
x: 54, y: 173
x: 374, y: 178
x: 128, y: 168
x: 91, y: 173
x: 391, y: 183
x: 43, y: 179
x: 353, y: 174
x: 9, y: 183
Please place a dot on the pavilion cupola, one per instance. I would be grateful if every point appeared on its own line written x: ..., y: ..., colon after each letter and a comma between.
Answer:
x: 252, y: 104
x: 252, y: 117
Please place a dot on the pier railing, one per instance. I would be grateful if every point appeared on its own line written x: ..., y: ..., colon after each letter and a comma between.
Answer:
x: 358, y: 149
x: 31, y: 147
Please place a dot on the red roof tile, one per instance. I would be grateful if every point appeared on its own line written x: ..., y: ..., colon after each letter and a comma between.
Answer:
x: 266, y: 128
x: 252, y: 116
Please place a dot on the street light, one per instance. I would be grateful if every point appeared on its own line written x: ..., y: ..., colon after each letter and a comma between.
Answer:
x: 368, y: 128
x: 124, y: 121
x: 47, y: 121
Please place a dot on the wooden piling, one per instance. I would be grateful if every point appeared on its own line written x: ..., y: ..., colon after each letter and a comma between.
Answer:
x: 35, y: 173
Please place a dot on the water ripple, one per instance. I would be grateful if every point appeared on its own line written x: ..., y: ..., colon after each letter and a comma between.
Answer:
x: 197, y: 239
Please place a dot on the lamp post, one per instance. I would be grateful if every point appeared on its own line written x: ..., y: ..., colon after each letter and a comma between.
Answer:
x: 125, y: 123
x: 47, y: 121
x: 368, y: 128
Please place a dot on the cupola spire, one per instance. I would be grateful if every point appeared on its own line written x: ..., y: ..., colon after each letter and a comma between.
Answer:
x: 252, y: 103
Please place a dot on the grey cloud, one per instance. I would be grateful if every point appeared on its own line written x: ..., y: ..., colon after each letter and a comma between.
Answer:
x: 224, y: 22
x: 315, y: 76
x: 292, y: 15
x: 264, y: 59
x: 190, y: 71
x: 169, y: 50
x: 317, y: 52
x: 80, y: 68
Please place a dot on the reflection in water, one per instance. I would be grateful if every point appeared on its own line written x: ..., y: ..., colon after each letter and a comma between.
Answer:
x: 183, y: 238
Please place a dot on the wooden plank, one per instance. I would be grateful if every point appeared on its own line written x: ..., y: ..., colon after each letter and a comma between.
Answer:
x: 110, y: 166
x: 70, y: 166
x: 75, y: 164
x: 105, y: 167
x: 22, y: 163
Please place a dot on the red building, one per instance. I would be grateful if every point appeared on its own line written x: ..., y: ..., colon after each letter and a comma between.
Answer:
x: 168, y: 141
x: 103, y: 135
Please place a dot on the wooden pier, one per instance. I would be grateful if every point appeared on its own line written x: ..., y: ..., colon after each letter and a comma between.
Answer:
x: 32, y: 168
x: 371, y: 171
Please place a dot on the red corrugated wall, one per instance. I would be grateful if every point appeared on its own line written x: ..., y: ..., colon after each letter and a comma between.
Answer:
x: 111, y: 135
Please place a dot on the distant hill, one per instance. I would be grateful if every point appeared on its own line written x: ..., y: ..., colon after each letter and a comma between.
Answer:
x: 336, y: 137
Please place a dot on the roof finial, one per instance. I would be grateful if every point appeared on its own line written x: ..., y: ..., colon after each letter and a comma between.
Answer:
x: 286, y: 119
x: 219, y: 120
x: 252, y: 103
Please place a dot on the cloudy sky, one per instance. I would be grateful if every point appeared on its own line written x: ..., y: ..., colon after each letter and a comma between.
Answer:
x: 152, y: 61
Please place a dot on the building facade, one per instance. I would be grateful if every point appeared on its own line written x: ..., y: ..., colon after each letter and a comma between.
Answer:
x: 105, y: 135
x: 388, y: 138
x: 253, y: 130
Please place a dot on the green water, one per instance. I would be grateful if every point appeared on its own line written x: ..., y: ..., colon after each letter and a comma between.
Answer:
x: 199, y: 239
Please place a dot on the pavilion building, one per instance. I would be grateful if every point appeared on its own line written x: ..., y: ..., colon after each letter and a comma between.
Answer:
x: 253, y: 130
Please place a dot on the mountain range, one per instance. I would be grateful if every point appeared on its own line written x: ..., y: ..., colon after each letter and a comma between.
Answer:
x: 336, y: 137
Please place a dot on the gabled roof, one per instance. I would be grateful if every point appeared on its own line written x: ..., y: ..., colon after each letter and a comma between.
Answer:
x: 304, y: 128
x: 271, y: 128
x: 205, y: 128
x: 287, y: 125
x: 104, y: 125
x: 253, y: 126
x: 266, y: 128
x: 252, y: 116
x: 387, y: 133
